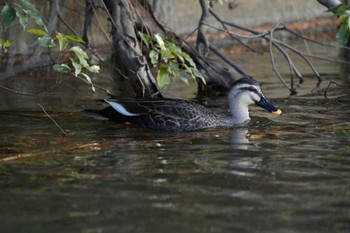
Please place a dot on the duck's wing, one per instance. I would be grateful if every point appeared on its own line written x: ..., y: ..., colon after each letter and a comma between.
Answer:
x: 163, y: 114
x: 169, y: 107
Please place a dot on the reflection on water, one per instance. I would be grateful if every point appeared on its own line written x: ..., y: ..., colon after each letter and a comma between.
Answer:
x: 279, y: 174
x: 239, y: 138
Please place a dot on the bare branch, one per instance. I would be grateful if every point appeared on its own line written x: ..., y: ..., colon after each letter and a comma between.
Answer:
x: 329, y: 84
x: 202, y: 45
x: 53, y: 120
x: 330, y: 3
x: 302, y: 55
x: 274, y: 68
x: 53, y: 19
x: 227, y: 60
x: 233, y: 35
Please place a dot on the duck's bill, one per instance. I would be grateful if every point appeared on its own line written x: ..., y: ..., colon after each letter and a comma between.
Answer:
x: 265, y: 104
x: 278, y: 112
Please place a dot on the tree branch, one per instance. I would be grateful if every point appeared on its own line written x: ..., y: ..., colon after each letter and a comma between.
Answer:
x: 202, y: 45
x: 126, y: 43
x: 329, y: 3
x: 274, y: 43
x: 227, y: 60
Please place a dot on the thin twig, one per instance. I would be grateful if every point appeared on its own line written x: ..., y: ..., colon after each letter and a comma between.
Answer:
x: 327, y: 59
x: 62, y: 130
x: 228, y: 61
x: 95, y: 85
x: 303, y: 56
x: 90, y: 49
x: 235, y: 36
x: 34, y: 93
x: 254, y: 36
x: 293, y: 68
x: 274, y: 68
x: 190, y: 34
x: 329, y: 84
x: 269, y: 38
x: 101, y: 26
x: 17, y: 91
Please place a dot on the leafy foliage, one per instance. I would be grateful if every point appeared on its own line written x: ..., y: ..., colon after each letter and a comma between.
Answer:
x: 8, y: 15
x: 4, y: 45
x: 24, y: 10
x: 170, y: 59
x: 343, y: 31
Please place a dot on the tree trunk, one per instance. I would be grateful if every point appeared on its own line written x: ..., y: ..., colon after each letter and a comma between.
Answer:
x: 128, y: 53
x: 131, y: 15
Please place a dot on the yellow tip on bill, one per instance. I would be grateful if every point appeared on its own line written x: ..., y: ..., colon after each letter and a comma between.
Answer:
x: 278, y: 112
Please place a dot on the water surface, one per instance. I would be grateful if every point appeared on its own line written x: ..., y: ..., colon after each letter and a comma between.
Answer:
x: 280, y: 174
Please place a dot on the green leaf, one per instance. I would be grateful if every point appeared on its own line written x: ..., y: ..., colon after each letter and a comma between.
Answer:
x: 163, y: 78
x: 37, y: 32
x: 166, y: 54
x: 188, y: 58
x: 183, y: 78
x: 45, y: 42
x: 154, y: 56
x: 4, y: 45
x: 159, y: 41
x: 88, y: 79
x: 35, y: 15
x: 342, y: 34
x: 198, y: 74
x: 63, y: 44
x: 29, y: 10
x: 81, y: 54
x: 343, y: 18
x: 181, y: 59
x: 340, y: 9
x: 62, y: 68
x: 74, y: 38
x: 187, y: 69
x: 94, y: 68
x: 8, y: 15
x: 169, y: 44
x: 23, y: 17
x: 77, y: 66
x: 60, y: 36
x: 174, y: 64
x: 146, y: 38
x: 62, y: 41
x: 175, y: 72
x: 25, y: 4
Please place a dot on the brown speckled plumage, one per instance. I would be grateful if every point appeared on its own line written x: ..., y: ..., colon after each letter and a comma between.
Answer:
x: 180, y: 115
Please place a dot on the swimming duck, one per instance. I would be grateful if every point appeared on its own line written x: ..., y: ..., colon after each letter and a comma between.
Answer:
x: 181, y: 115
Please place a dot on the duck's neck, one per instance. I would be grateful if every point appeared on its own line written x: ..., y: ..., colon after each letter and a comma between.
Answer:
x: 239, y: 109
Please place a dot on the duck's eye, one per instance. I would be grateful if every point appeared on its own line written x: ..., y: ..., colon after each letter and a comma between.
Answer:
x: 252, y: 89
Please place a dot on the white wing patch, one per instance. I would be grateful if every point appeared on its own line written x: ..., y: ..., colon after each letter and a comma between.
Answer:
x: 120, y: 108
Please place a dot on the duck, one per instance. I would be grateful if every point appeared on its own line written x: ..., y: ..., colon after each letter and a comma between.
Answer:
x: 181, y: 115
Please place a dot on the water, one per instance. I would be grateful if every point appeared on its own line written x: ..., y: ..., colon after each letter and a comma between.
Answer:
x: 288, y: 173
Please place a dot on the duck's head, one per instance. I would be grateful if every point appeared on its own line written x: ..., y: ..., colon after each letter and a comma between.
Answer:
x: 244, y: 92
